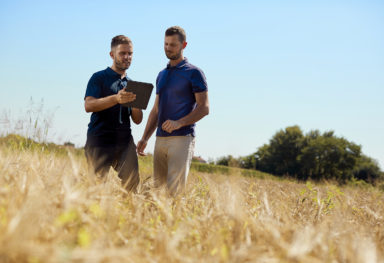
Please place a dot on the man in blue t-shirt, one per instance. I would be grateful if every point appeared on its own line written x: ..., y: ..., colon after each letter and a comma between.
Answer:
x: 181, y: 101
x: 109, y: 140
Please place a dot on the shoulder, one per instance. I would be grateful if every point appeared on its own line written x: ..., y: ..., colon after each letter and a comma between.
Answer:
x: 162, y: 72
x: 194, y: 70
x: 97, y: 80
x: 196, y: 73
x: 100, y: 74
x: 197, y: 78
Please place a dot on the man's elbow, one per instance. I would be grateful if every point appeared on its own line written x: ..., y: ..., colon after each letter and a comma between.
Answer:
x: 206, y: 110
x: 137, y: 121
x: 137, y: 116
x: 88, y: 108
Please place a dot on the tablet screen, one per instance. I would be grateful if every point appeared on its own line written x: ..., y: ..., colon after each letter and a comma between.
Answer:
x: 143, y: 92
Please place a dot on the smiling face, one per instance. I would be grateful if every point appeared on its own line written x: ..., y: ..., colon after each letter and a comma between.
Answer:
x: 173, y: 47
x: 122, y: 56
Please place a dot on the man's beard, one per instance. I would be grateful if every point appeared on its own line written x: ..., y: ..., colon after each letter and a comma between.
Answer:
x: 121, y: 65
x: 174, y: 57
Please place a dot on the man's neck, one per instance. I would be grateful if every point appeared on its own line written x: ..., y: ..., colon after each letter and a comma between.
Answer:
x: 120, y: 72
x: 175, y: 62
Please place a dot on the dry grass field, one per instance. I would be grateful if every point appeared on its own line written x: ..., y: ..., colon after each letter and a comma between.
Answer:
x: 52, y: 210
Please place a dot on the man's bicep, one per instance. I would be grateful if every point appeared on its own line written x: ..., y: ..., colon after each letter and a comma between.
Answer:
x: 202, y: 98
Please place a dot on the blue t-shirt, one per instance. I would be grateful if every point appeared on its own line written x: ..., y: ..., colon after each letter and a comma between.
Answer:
x: 176, y: 87
x: 109, y: 127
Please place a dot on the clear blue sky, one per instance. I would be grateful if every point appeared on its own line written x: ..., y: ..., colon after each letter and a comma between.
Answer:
x: 269, y: 64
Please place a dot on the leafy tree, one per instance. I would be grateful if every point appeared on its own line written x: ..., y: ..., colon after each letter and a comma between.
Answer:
x: 229, y: 161
x: 368, y: 170
x: 248, y: 162
x: 280, y: 156
x: 285, y: 147
x: 69, y: 144
x: 328, y: 157
x: 316, y: 156
x: 223, y: 160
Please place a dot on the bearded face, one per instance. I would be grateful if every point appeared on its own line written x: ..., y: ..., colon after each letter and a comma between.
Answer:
x: 173, y: 47
x: 122, y: 56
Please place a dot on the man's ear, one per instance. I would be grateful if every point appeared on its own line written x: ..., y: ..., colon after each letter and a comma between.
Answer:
x: 112, y: 55
x: 185, y: 44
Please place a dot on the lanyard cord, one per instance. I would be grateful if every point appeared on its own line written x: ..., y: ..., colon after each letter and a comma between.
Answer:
x: 122, y: 85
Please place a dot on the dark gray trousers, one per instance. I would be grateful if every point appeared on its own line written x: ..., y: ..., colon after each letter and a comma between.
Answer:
x: 122, y: 159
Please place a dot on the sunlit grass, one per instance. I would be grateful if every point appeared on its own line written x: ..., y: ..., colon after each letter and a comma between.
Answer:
x: 52, y: 210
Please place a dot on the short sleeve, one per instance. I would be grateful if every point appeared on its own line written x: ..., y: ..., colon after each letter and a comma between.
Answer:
x: 160, y: 81
x: 157, y: 84
x: 199, y: 82
x: 93, y: 87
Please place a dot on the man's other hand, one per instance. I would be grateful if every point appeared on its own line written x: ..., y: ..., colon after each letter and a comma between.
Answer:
x: 169, y: 126
x: 141, y: 147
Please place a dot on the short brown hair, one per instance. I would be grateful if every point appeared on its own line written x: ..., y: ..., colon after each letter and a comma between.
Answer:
x: 120, y: 39
x: 176, y: 30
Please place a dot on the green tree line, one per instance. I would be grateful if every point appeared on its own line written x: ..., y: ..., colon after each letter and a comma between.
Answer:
x: 315, y: 155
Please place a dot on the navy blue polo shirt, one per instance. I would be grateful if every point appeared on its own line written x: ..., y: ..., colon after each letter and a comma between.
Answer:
x: 176, y: 87
x: 109, y: 127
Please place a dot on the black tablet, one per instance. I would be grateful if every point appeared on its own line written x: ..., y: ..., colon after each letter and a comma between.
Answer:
x: 143, y: 92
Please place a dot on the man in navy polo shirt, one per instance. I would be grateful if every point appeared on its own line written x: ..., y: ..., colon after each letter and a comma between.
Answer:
x: 181, y: 101
x: 109, y: 140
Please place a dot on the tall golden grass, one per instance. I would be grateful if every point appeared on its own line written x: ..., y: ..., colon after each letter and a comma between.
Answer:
x: 52, y: 210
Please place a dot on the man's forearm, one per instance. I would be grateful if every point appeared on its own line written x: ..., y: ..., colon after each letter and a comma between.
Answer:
x: 94, y: 105
x: 197, y: 114
x: 151, y: 125
x: 201, y: 110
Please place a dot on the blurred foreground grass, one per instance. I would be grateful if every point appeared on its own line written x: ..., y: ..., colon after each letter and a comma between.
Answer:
x: 52, y: 210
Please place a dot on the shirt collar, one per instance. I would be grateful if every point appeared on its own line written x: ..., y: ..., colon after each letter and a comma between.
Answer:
x: 113, y: 73
x: 180, y: 65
